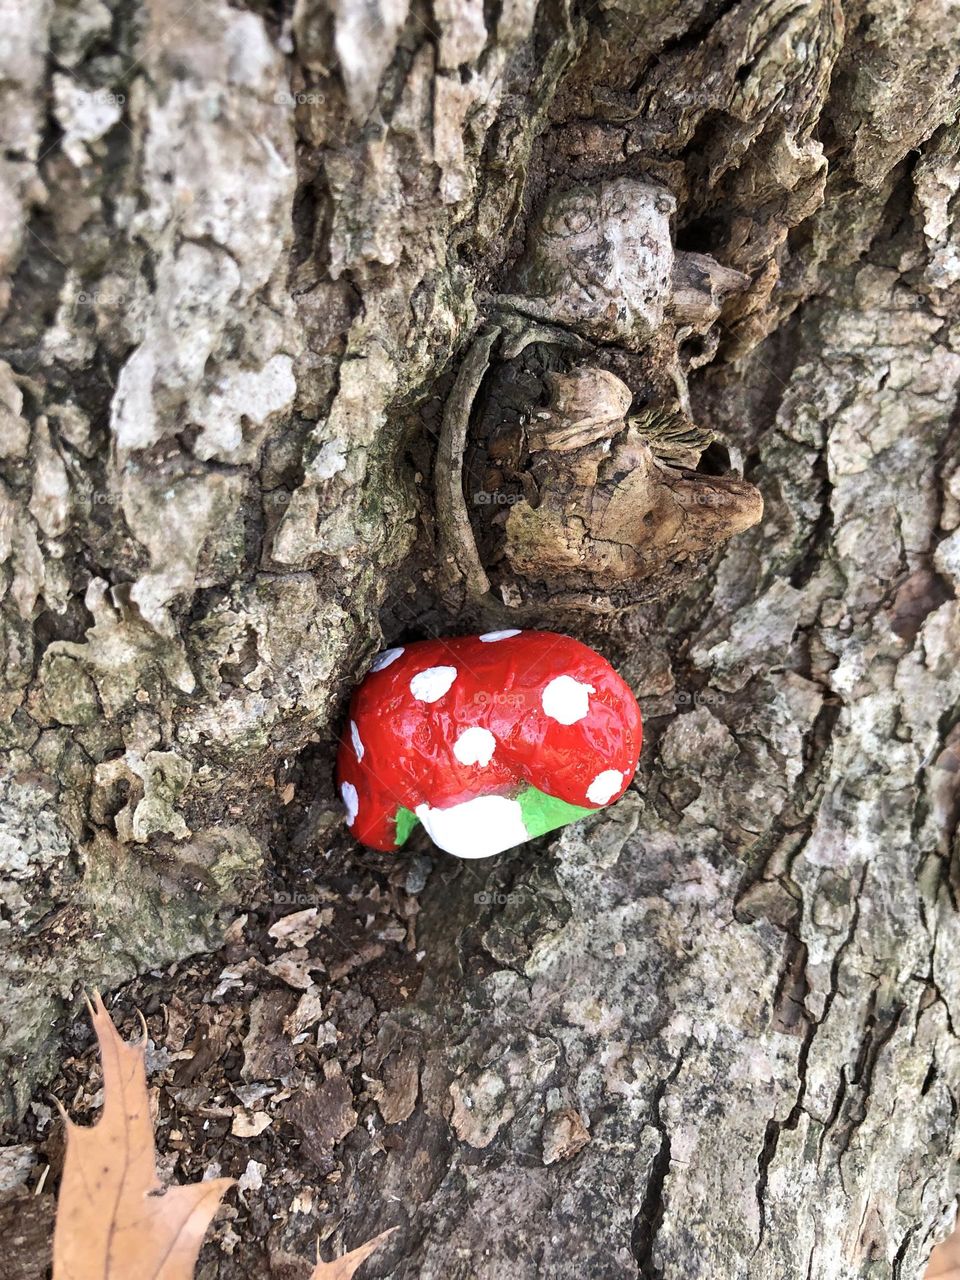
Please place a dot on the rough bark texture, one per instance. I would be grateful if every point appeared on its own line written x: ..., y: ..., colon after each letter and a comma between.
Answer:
x: 711, y: 1033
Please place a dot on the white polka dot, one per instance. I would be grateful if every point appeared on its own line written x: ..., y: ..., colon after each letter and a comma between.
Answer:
x: 566, y: 700
x: 351, y: 801
x: 429, y: 685
x: 355, y: 739
x: 384, y: 659
x: 478, y: 828
x: 604, y: 786
x: 488, y: 637
x: 475, y: 746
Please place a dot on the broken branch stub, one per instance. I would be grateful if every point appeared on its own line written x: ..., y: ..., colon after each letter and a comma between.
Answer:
x: 572, y: 498
x: 550, y: 492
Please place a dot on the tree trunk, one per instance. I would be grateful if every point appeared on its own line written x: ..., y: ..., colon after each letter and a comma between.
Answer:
x: 708, y: 1033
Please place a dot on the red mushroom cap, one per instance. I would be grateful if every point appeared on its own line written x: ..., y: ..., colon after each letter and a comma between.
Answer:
x: 440, y: 722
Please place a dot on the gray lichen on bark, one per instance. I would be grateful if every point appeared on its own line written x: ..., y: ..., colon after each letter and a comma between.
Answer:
x: 244, y: 256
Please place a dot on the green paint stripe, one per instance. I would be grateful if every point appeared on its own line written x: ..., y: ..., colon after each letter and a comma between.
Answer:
x: 406, y: 820
x: 541, y: 813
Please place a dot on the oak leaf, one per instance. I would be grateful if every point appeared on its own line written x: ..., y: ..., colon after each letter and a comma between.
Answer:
x: 114, y: 1219
x: 343, y: 1268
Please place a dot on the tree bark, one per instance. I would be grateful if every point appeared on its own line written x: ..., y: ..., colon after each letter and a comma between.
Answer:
x: 246, y: 252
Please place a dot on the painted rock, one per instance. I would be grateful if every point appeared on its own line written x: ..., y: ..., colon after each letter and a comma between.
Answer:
x: 486, y: 740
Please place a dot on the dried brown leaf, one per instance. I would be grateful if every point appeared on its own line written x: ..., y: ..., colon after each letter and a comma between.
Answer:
x: 944, y: 1262
x: 343, y: 1268
x: 114, y: 1219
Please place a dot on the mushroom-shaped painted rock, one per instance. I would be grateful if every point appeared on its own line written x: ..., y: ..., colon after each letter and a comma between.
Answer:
x: 485, y: 740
